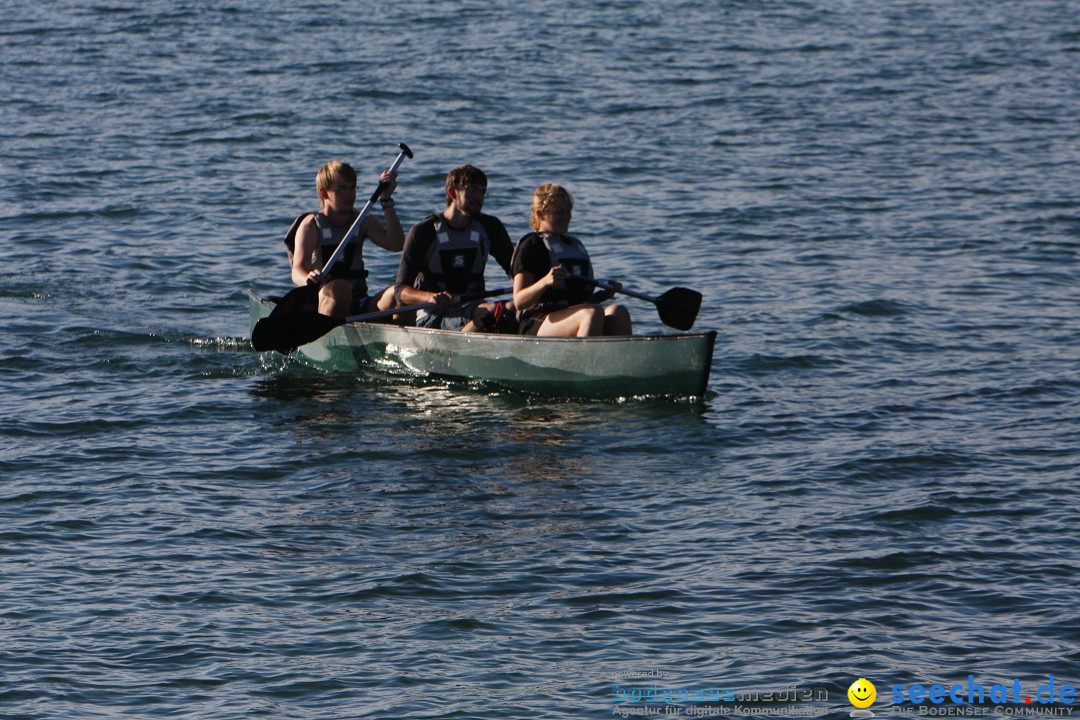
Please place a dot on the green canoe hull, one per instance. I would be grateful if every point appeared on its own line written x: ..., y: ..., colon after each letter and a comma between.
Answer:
x: 675, y: 365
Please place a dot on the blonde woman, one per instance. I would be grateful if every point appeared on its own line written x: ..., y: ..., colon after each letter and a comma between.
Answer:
x: 548, y: 267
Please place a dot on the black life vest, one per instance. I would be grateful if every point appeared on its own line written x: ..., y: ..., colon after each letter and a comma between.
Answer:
x: 457, y: 258
x: 349, y: 266
x: 568, y: 251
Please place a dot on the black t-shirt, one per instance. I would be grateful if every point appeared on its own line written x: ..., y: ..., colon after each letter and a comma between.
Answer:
x: 413, y: 268
x: 532, y: 256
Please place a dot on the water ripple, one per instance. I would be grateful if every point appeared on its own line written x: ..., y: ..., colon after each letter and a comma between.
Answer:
x: 877, y: 202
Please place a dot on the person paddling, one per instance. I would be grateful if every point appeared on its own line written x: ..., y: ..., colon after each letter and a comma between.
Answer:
x: 313, y: 238
x: 548, y: 267
x: 446, y: 254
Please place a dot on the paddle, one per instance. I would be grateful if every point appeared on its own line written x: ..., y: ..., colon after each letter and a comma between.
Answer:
x: 678, y: 307
x: 291, y: 330
x: 272, y: 331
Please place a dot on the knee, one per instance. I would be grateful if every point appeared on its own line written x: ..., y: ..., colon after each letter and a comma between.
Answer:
x: 593, y: 316
x: 617, y: 321
x: 387, y: 299
x: 339, y: 291
x: 335, y: 298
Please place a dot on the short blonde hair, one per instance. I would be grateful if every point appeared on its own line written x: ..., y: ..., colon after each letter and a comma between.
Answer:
x: 545, y: 198
x: 334, y: 172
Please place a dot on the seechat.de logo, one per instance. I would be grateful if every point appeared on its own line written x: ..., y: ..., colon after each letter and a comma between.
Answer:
x: 862, y: 694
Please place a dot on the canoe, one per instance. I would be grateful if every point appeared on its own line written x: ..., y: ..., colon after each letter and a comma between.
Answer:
x: 670, y: 365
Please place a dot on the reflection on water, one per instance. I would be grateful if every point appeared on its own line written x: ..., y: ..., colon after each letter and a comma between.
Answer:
x: 877, y: 204
x: 437, y: 429
x: 455, y: 406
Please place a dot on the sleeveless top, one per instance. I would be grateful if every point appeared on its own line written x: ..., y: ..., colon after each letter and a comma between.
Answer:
x: 349, y: 266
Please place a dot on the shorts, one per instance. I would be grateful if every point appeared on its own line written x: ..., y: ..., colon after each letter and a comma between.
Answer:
x: 359, y: 305
x: 452, y: 319
x: 530, y: 325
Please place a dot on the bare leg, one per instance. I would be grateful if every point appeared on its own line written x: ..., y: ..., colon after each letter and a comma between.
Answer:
x: 385, y: 299
x: 335, y: 298
x: 617, y: 321
x: 476, y: 324
x: 579, y: 320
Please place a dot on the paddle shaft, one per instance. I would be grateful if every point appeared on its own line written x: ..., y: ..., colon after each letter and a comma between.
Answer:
x: 624, y: 291
x: 426, y: 306
x: 405, y: 152
x: 678, y: 307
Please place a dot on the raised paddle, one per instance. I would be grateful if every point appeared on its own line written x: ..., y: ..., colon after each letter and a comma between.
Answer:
x: 678, y: 307
x: 273, y: 333
x: 291, y: 330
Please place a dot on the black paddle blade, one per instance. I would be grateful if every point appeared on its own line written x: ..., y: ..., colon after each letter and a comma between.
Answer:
x: 285, y: 333
x: 293, y: 322
x: 678, y: 307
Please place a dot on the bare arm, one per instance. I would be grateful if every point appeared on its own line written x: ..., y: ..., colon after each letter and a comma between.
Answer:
x: 413, y: 296
x: 391, y: 238
x: 408, y: 270
x: 307, y: 239
x: 527, y: 292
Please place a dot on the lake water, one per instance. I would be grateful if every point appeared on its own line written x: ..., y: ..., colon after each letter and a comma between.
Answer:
x: 878, y: 199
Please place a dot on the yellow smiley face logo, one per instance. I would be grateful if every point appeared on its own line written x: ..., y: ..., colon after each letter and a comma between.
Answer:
x: 862, y: 693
